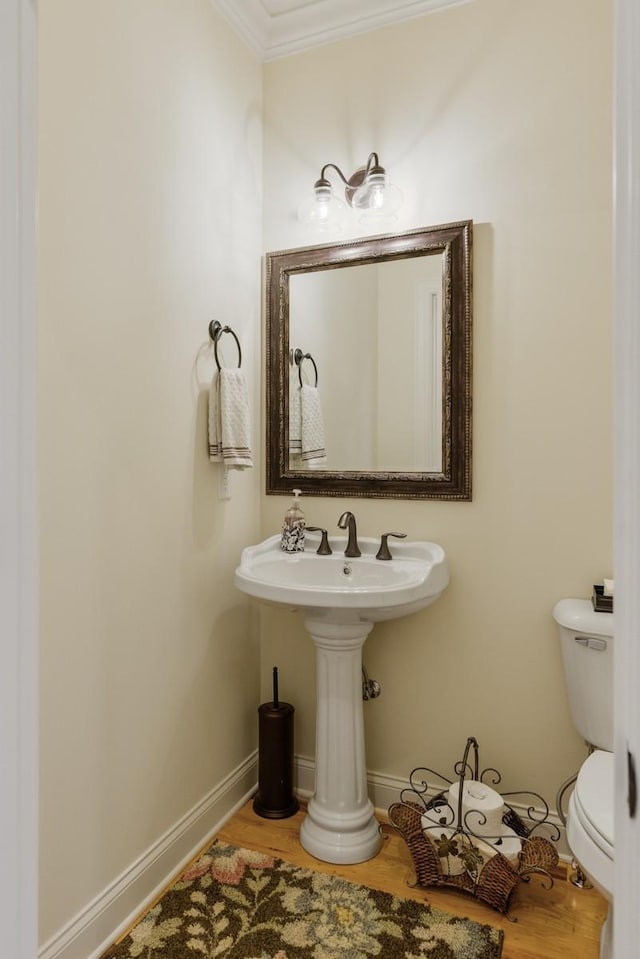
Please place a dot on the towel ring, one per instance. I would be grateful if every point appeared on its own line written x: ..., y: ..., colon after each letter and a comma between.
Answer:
x: 298, y: 358
x: 216, y: 330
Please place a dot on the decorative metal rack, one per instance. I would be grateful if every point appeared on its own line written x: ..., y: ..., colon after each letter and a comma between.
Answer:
x: 424, y: 810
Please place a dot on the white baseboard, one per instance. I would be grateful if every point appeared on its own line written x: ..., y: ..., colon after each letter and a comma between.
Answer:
x: 385, y: 790
x: 96, y: 926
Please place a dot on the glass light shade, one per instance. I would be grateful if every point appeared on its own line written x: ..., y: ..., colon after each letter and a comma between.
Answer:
x: 377, y: 198
x: 323, y: 210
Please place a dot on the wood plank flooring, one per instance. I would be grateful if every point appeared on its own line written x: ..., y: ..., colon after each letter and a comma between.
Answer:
x: 561, y: 923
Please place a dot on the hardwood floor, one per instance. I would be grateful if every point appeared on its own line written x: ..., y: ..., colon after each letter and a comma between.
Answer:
x: 560, y: 923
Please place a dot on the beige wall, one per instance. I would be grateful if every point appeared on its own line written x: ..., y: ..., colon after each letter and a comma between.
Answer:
x: 500, y: 112
x: 150, y: 187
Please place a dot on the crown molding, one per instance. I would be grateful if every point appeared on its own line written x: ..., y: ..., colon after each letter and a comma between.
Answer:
x: 274, y: 30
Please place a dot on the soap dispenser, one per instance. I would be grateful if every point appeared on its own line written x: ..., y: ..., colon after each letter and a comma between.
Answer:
x: 293, y: 526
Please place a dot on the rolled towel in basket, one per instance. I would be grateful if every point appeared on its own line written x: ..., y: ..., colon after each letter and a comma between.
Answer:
x: 482, y: 808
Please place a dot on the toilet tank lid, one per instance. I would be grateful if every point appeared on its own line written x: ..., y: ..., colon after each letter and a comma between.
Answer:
x: 580, y: 615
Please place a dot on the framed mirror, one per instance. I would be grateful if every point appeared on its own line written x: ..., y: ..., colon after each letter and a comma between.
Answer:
x: 369, y: 366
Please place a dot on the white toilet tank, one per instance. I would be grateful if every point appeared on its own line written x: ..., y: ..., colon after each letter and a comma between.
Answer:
x: 586, y: 639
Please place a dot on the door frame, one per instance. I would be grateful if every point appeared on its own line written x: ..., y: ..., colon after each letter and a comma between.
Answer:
x: 18, y: 524
x: 626, y: 253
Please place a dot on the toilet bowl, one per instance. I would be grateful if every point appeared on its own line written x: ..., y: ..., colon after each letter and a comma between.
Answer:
x: 587, y: 651
x: 590, y: 832
x: 590, y: 820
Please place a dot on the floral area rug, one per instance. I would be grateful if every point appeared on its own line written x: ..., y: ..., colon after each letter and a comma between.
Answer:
x: 238, y: 904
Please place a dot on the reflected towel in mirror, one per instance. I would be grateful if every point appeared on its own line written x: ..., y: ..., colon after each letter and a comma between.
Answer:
x: 312, y: 426
x: 295, y: 422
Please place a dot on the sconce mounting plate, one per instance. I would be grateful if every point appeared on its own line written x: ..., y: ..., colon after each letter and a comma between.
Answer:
x: 355, y: 180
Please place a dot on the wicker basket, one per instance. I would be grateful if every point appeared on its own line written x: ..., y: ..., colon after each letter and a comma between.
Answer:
x: 493, y: 883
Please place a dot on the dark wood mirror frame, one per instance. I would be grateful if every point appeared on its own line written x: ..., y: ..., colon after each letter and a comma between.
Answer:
x: 454, y: 242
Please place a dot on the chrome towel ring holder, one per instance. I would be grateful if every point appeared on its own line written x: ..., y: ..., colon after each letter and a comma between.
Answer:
x: 216, y: 330
x: 298, y: 358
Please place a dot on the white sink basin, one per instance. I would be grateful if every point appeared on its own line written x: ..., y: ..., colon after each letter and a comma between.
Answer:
x: 363, y: 588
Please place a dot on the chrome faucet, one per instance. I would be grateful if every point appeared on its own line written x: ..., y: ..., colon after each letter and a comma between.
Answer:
x: 348, y: 521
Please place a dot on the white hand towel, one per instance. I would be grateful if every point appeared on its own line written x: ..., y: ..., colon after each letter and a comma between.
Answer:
x: 215, y: 431
x: 313, y: 448
x: 295, y: 421
x: 229, y: 425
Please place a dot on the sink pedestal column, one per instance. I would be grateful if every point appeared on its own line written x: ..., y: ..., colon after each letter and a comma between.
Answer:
x: 340, y: 826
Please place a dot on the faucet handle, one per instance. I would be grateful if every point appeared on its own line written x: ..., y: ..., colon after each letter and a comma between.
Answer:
x: 384, y: 552
x: 323, y: 549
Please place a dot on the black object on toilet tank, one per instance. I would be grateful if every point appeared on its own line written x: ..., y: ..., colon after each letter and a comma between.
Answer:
x: 275, y: 798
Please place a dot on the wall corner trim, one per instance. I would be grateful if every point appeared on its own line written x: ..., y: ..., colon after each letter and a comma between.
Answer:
x: 101, y: 921
x: 281, y: 33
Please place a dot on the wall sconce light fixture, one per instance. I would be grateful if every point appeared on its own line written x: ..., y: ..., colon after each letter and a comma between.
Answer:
x: 368, y: 190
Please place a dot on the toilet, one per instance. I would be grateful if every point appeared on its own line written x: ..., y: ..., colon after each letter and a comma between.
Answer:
x: 586, y: 639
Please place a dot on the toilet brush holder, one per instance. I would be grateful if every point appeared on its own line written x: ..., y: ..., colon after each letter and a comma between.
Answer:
x: 275, y: 798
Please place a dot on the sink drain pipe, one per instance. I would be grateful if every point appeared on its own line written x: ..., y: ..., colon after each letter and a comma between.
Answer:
x: 371, y: 688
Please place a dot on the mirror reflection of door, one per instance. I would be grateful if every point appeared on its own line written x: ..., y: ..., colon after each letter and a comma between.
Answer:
x: 374, y: 331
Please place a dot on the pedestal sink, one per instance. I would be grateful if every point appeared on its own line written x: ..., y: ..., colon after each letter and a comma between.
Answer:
x: 341, y: 600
